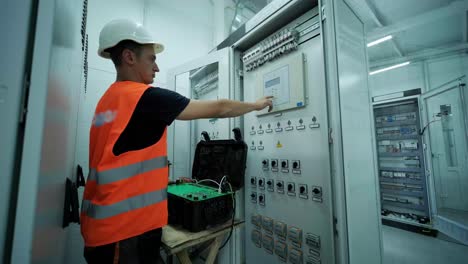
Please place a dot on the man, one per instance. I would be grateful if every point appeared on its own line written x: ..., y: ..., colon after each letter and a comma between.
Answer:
x: 124, y: 203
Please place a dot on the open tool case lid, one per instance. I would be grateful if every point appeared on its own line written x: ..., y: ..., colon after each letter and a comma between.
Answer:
x: 216, y: 158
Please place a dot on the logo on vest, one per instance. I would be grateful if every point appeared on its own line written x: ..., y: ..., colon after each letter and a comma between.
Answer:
x: 103, y: 118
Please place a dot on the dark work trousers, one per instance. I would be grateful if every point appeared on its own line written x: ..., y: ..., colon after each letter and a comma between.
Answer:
x: 142, y: 249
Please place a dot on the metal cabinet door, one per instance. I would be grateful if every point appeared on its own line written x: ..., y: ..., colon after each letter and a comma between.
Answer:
x: 446, y: 131
x: 15, y: 71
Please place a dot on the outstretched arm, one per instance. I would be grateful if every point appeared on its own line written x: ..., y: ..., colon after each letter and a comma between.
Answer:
x: 222, y: 108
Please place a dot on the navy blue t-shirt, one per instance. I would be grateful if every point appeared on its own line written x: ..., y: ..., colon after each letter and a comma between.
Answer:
x: 156, y: 109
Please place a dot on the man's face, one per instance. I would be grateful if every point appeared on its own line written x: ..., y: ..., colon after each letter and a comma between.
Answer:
x: 146, y: 64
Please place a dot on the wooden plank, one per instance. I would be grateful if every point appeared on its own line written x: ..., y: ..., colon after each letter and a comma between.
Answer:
x: 174, y: 249
x: 183, y: 257
x: 213, y: 250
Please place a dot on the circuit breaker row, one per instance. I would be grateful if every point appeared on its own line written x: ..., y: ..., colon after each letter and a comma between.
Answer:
x: 269, y: 49
x: 275, y: 238
x: 288, y: 188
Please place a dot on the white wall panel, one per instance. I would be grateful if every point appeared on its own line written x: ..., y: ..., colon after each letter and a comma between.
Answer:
x: 446, y: 69
x: 99, y: 13
x: 396, y: 80
x: 438, y: 72
x: 185, y: 28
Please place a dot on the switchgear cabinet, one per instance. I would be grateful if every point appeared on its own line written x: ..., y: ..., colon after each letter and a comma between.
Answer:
x: 300, y: 164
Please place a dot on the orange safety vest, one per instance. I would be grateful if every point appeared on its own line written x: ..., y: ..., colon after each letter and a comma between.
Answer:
x: 125, y: 195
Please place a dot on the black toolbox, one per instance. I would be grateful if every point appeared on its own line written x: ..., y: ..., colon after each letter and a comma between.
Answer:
x: 197, y: 206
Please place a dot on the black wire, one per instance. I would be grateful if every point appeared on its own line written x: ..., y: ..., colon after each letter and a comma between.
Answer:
x: 232, y: 223
x: 421, y: 132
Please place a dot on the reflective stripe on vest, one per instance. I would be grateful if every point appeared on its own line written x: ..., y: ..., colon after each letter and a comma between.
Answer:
x: 125, y: 172
x: 136, y: 202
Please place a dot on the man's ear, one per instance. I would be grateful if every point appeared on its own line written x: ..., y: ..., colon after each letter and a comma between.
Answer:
x: 128, y: 56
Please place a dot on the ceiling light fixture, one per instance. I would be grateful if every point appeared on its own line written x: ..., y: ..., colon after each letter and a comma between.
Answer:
x: 389, y: 68
x: 373, y: 43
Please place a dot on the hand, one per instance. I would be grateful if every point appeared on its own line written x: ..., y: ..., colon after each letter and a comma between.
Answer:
x: 264, y: 102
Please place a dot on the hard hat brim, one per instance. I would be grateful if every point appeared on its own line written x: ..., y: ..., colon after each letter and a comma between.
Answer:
x: 158, y: 48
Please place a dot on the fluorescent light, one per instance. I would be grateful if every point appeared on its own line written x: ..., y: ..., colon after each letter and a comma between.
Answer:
x: 390, y: 68
x: 373, y: 43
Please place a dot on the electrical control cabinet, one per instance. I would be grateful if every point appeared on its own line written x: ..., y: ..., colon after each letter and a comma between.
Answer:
x: 204, y: 85
x: 295, y: 150
x: 288, y: 160
x: 401, y: 168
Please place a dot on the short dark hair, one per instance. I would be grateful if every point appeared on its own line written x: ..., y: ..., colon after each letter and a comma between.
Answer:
x: 116, y: 51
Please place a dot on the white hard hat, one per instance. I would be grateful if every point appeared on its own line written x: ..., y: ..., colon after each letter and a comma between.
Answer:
x: 121, y: 29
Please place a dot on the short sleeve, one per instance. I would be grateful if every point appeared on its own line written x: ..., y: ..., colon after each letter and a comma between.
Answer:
x: 164, y: 104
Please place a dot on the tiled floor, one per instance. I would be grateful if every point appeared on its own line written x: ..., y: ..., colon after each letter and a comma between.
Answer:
x: 403, y: 247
